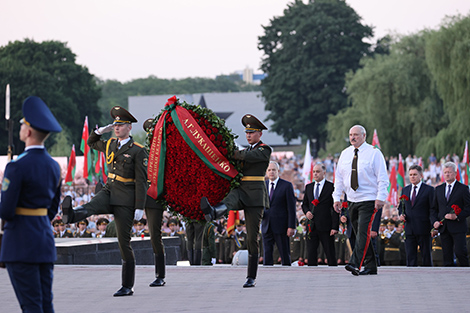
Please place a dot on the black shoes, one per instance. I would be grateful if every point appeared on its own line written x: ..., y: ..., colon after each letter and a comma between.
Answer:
x: 157, y: 282
x: 367, y: 271
x: 250, y: 282
x: 352, y: 269
x: 67, y: 209
x: 124, y: 291
x: 207, y: 209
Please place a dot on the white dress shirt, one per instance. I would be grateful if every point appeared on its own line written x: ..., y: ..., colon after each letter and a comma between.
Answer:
x: 371, y: 173
x: 271, y: 186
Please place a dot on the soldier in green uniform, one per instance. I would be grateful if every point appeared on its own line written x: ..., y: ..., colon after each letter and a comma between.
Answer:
x: 251, y: 196
x: 209, y: 253
x: 82, y: 232
x: 125, y: 190
x: 140, y: 230
x: 63, y: 232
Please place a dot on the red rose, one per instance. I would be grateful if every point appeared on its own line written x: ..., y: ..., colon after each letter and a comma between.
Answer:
x: 315, y: 202
x: 212, y: 137
x: 208, y: 131
x: 404, y: 198
x: 344, y: 205
x: 457, y: 209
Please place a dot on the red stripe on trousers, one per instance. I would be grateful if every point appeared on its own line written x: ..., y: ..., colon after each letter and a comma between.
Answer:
x: 368, y: 238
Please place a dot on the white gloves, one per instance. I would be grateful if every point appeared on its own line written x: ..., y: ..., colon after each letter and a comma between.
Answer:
x: 104, y: 129
x: 139, y: 213
x: 213, y: 261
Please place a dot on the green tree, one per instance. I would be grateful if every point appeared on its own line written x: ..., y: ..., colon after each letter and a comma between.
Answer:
x: 48, y: 70
x: 394, y: 94
x: 307, y: 53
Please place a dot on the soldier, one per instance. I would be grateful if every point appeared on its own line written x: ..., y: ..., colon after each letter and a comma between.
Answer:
x: 140, y: 230
x: 55, y: 228
x: 30, y: 200
x: 175, y: 231
x: 101, y: 225
x: 63, y: 231
x: 82, y: 232
x: 251, y: 196
x: 392, y: 246
x: 209, y: 253
x: 297, y: 242
x: 125, y: 191
x: 238, y: 239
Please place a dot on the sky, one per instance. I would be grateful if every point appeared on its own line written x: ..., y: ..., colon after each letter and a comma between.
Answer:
x: 125, y: 40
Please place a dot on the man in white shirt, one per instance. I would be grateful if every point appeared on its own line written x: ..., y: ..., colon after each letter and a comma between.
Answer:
x: 361, y: 174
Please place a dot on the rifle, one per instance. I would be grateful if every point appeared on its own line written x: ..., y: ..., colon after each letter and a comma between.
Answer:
x: 9, y: 127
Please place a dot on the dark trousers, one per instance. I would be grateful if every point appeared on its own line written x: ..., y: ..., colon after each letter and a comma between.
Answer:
x: 328, y: 244
x: 362, y: 215
x: 411, y: 248
x: 123, y: 217
x: 32, y: 283
x: 253, y: 217
x: 282, y: 243
x: 194, y: 232
x: 154, y: 218
x: 454, y: 243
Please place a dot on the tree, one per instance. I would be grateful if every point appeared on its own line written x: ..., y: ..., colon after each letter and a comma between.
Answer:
x: 47, y: 70
x: 307, y: 53
x: 394, y: 94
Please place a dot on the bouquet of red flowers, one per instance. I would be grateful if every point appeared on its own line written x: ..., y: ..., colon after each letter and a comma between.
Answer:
x: 402, y: 199
x: 190, y: 149
x: 455, y: 209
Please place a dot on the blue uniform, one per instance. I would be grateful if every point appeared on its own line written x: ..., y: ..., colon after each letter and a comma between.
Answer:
x: 31, y: 185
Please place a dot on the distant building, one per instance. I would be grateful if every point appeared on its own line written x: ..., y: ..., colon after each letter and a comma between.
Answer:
x: 249, y: 78
x: 229, y: 106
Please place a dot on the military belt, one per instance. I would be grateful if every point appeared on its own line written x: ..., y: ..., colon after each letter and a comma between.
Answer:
x: 31, y: 211
x: 120, y: 178
x: 468, y: 236
x: 392, y: 249
x: 253, y: 178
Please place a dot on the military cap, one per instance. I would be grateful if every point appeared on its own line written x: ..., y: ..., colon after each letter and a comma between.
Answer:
x: 37, y: 115
x: 252, y: 124
x: 147, y: 124
x: 241, y: 223
x: 85, y: 221
x: 101, y: 221
x: 122, y: 116
x: 391, y: 222
x: 173, y: 222
x: 57, y: 222
x: 142, y: 222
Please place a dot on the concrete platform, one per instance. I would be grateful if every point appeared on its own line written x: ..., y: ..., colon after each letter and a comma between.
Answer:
x: 278, y: 289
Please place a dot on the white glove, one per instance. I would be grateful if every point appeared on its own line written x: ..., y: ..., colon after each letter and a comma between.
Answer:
x: 104, y: 129
x: 139, y: 213
x: 213, y: 261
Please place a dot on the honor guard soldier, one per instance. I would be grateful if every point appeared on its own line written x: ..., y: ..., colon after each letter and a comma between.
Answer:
x: 251, y: 196
x: 154, y: 213
x: 125, y: 190
x: 30, y: 200
x: 82, y: 232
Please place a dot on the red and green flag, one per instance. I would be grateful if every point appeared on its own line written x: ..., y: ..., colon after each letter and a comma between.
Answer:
x: 71, y: 167
x: 401, y: 172
x: 392, y: 188
x: 87, y: 157
x: 466, y: 161
x: 100, y: 166
x: 375, y: 140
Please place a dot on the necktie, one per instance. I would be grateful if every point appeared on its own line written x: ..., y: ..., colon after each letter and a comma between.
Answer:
x: 354, y: 180
x: 449, y: 189
x: 413, y: 196
x: 271, y: 191
x: 317, y: 191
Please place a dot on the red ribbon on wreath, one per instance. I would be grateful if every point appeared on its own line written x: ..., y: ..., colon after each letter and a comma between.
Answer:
x: 196, y: 139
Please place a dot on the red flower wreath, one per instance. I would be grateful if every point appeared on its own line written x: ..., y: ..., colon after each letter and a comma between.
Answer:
x: 187, y: 178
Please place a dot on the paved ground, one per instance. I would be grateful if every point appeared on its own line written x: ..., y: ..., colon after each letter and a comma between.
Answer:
x: 278, y: 289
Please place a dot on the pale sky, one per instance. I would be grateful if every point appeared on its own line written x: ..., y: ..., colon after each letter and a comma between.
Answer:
x: 125, y: 40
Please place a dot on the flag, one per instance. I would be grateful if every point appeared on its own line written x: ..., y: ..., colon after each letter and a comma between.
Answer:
x: 401, y: 172
x: 307, y: 168
x: 71, y: 167
x: 458, y: 177
x: 375, y: 140
x: 466, y: 161
x: 100, y: 166
x: 87, y: 160
x: 233, y: 220
x: 420, y: 162
x: 392, y: 188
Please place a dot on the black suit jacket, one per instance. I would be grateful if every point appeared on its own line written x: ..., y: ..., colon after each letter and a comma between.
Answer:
x: 324, y: 216
x: 417, y: 215
x: 281, y: 213
x: 460, y: 196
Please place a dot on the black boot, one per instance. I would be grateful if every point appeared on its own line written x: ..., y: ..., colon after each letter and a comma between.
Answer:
x: 128, y: 276
x: 197, y: 257
x: 252, y: 270
x: 190, y: 256
x: 213, y: 213
x: 159, y: 271
x: 69, y: 214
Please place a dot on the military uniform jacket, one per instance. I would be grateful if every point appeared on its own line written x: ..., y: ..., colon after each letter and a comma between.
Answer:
x: 130, y: 163
x: 86, y: 234
x: 31, y: 181
x: 251, y: 193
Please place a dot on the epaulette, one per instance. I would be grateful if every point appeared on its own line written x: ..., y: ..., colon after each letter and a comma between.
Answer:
x: 138, y: 144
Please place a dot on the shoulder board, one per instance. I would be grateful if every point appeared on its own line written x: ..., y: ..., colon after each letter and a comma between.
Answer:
x: 20, y: 156
x: 138, y: 144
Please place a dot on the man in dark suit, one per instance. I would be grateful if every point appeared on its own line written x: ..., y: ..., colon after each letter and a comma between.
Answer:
x: 323, y: 220
x: 125, y: 191
x: 454, y: 227
x: 30, y: 200
x: 251, y: 196
x: 279, y: 220
x: 415, y: 213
